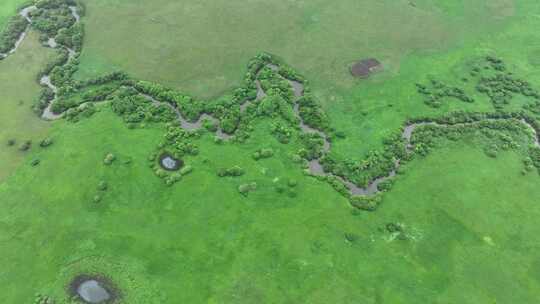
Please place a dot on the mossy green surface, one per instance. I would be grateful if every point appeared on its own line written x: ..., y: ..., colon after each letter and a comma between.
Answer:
x: 202, y: 48
x: 18, y: 89
x: 9, y: 8
x: 469, y: 221
x: 200, y: 241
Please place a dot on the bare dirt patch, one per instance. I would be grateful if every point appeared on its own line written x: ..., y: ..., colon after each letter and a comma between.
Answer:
x: 365, y: 67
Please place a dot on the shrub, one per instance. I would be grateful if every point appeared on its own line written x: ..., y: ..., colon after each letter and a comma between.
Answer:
x: 173, y: 178
x: 102, y: 186
x: 11, y: 33
x: 280, y: 188
x: 11, y: 142
x: 25, y: 146
x: 340, y: 134
x: 234, y: 171
x: 351, y: 237
x: 292, y: 183
x: 312, y: 114
x: 218, y: 140
x: 492, y: 150
x: 368, y: 203
x: 291, y: 193
x: 35, y: 162
x: 529, y: 164
x: 436, y: 90
x: 386, y: 185
x: 244, y: 189
x: 210, y: 125
x: 534, y: 154
x: 46, y: 142
x: 160, y: 173
x: 109, y: 159
x: 398, y: 230
x: 263, y: 153
x: 97, y: 198
x: 282, y: 132
x: 186, y: 170
x: 296, y: 158
x: 393, y: 227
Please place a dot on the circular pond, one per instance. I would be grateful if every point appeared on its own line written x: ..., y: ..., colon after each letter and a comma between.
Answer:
x: 92, y: 289
x: 169, y: 163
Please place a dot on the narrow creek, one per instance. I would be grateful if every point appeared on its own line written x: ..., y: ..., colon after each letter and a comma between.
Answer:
x: 25, y: 12
x: 315, y: 166
x: 45, y: 79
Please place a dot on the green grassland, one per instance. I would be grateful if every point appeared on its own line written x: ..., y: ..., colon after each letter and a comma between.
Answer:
x: 469, y: 218
x: 19, y: 88
x: 8, y: 8
x: 468, y: 229
x: 201, y: 47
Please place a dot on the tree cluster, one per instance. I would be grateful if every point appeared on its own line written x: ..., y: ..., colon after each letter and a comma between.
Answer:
x: 312, y: 114
x: 367, y: 203
x: 232, y: 172
x: 12, y: 32
x: 374, y: 165
x: 502, y: 87
x: 263, y: 153
x: 135, y: 108
x: 312, y: 146
x: 51, y: 16
x: 180, y: 141
x: 245, y: 189
x: 44, y: 98
x: 82, y: 111
x: 282, y: 132
x: 436, y: 90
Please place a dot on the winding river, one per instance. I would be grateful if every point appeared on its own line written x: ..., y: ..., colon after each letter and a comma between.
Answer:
x: 315, y: 166
x: 45, y: 79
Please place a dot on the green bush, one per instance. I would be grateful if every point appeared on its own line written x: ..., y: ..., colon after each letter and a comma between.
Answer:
x: 367, y: 203
x: 103, y: 186
x: 172, y: 178
x: 351, y: 237
x: 393, y: 227
x: 11, y: 33
x: 186, y: 170
x: 25, y: 146
x: 233, y: 171
x: 386, y: 185
x: 244, y: 189
x: 160, y: 173
x: 46, y: 142
x: 435, y: 91
x: 263, y: 153
x: 109, y: 159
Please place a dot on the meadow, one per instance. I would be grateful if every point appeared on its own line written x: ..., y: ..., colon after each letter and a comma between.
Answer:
x: 457, y: 226
x: 7, y: 9
x: 19, y: 89
x: 467, y: 216
x: 201, y: 48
